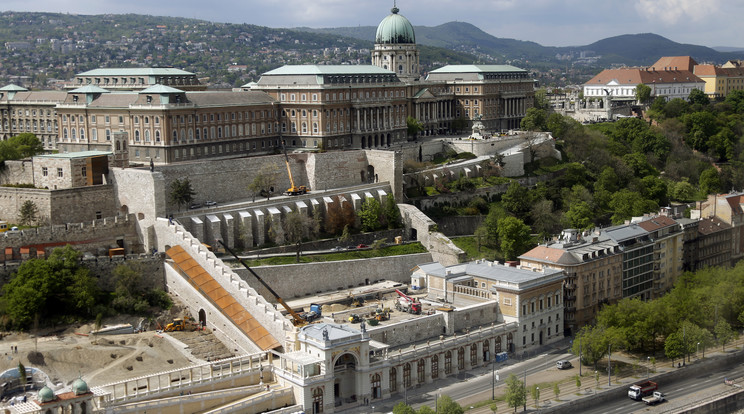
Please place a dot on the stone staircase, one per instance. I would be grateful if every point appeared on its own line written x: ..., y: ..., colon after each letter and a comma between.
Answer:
x: 203, y: 345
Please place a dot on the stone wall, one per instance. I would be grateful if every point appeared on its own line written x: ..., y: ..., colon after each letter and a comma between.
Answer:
x: 305, y: 279
x: 388, y: 167
x: 63, y: 206
x: 94, y: 237
x: 422, y: 228
x: 409, y: 331
x: 17, y: 172
x: 459, y: 225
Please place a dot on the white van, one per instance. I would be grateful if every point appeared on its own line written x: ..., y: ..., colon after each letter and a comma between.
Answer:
x: 563, y: 364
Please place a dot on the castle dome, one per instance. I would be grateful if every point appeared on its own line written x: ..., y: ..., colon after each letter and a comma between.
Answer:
x: 395, y: 29
x: 79, y: 387
x: 46, y: 394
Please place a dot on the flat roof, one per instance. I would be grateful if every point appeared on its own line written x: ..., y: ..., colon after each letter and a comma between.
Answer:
x: 79, y: 154
x: 477, y: 69
x: 329, y: 70
x: 134, y: 72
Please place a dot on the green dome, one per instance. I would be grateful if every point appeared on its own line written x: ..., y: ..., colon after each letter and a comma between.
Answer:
x: 395, y: 29
x: 79, y: 387
x: 46, y: 394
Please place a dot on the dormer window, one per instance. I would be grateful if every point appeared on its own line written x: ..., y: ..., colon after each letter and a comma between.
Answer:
x: 149, y: 98
x: 74, y: 98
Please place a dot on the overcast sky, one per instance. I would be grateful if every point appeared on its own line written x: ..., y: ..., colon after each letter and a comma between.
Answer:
x: 548, y: 22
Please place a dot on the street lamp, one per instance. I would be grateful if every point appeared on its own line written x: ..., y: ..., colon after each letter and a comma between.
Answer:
x: 493, y: 379
x: 648, y: 362
x: 697, y: 348
x: 260, y: 376
x: 537, y: 400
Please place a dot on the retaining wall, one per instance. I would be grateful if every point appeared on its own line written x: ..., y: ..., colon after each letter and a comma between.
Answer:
x: 300, y: 280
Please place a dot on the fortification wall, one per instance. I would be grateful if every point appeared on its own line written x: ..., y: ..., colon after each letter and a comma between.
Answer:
x: 62, y: 206
x: 94, y: 237
x: 300, y: 280
x: 424, y: 229
x: 17, y: 172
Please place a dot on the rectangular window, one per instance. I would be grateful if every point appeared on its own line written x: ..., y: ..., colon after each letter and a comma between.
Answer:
x: 84, y: 171
x: 44, y: 171
x: 60, y: 173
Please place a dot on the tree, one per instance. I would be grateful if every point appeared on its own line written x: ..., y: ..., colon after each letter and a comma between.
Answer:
x: 28, y: 213
x: 699, y: 97
x: 265, y: 181
x: 50, y: 288
x: 643, y: 93
x: 413, y: 126
x: 445, y: 405
x: 340, y: 216
x: 298, y: 226
x: 23, y: 145
x: 579, y: 216
x: 425, y: 409
x: 22, y: 375
x: 534, y: 120
x: 516, y: 395
x: 673, y: 347
x: 557, y: 390
x: 578, y: 380
x: 403, y: 408
x: 544, y: 220
x: 626, y: 204
x: 724, y: 333
x: 535, y: 392
x: 710, y: 182
x: 181, y: 192
x: 514, y: 237
x: 370, y: 215
x: 516, y: 200
x: 391, y: 213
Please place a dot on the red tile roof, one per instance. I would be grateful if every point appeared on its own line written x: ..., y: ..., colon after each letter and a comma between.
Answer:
x: 634, y: 76
x: 685, y: 63
x: 657, y: 223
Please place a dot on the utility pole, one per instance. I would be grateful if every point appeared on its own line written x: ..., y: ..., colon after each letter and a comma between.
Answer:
x: 525, y: 388
x: 580, y: 356
x: 493, y: 379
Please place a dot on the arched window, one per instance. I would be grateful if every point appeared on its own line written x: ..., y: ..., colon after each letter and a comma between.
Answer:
x: 136, y: 136
x: 64, y: 133
x: 393, y: 379
x: 318, y: 400
x: 198, y: 133
x: 315, y: 127
x: 304, y: 127
x: 157, y: 136
x: 421, y: 371
x: 82, y: 133
x: 219, y: 132
x: 74, y: 133
x: 461, y: 358
x: 147, y: 135
x: 175, y: 136
x: 473, y: 355
x: 191, y: 134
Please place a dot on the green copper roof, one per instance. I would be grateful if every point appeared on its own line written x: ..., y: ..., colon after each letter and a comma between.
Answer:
x: 477, y: 69
x: 13, y: 88
x: 395, y: 29
x: 89, y: 89
x: 135, y: 72
x: 161, y: 89
x: 328, y: 70
x: 46, y: 395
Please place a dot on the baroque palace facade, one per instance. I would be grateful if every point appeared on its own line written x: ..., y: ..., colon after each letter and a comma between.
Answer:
x: 169, y: 117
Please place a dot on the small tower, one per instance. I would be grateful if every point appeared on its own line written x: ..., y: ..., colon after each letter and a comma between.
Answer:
x: 120, y: 148
x: 395, y: 47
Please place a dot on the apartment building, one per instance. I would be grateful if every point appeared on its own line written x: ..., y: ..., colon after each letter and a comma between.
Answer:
x: 592, y: 269
x: 35, y: 112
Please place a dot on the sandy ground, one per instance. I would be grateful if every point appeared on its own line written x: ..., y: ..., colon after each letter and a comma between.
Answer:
x: 67, y: 354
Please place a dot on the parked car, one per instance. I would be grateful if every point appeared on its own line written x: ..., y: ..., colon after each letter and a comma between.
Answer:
x: 210, y: 203
x: 362, y: 246
x: 195, y: 206
x: 337, y: 249
x: 563, y: 364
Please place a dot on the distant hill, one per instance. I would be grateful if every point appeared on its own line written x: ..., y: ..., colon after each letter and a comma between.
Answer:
x: 631, y: 49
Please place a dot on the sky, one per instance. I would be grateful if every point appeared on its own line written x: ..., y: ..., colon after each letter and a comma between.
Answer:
x: 547, y: 22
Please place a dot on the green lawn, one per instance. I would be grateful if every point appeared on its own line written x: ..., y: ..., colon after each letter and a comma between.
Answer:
x: 470, y: 245
x: 395, y: 250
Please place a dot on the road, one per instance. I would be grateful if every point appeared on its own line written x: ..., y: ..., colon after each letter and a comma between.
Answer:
x: 689, y: 390
x: 463, y: 387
